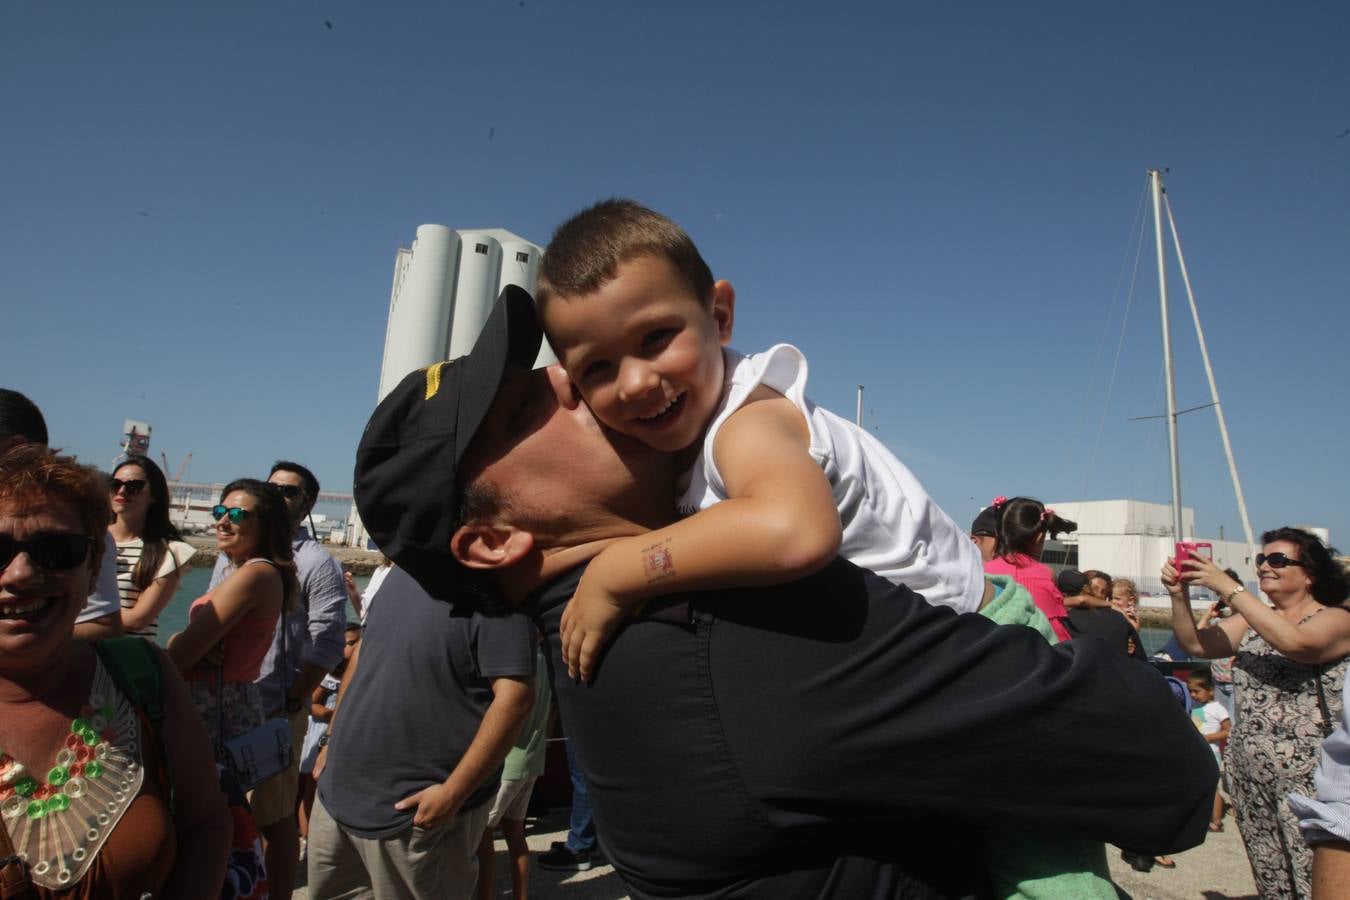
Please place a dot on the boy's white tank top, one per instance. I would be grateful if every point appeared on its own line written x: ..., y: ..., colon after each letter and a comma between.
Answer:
x: 890, y: 524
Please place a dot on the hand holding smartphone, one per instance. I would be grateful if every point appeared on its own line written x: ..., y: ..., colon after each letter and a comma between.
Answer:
x: 1184, y: 549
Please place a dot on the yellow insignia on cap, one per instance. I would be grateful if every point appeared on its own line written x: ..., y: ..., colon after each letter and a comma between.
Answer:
x: 433, y: 380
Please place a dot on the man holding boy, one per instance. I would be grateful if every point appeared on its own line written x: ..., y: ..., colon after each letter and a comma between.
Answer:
x: 829, y: 736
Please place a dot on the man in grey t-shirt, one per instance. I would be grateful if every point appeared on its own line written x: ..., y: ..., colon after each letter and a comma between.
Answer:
x: 433, y: 700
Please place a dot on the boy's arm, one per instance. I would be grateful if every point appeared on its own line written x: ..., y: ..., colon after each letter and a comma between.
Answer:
x: 780, y: 523
x: 512, y: 700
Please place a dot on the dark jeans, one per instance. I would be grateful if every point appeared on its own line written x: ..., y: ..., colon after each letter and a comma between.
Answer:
x: 581, y: 828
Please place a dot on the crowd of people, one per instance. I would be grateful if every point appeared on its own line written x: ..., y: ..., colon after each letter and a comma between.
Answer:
x: 782, y: 669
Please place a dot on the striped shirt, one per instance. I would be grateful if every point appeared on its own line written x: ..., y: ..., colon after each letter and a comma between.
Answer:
x: 176, y: 557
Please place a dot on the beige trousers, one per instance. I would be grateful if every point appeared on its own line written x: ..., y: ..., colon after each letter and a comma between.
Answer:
x: 415, y: 864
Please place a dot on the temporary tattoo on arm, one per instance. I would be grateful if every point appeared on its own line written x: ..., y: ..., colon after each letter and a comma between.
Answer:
x: 657, y: 561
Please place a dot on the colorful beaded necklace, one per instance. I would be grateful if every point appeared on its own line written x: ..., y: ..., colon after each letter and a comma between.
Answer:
x: 59, y: 824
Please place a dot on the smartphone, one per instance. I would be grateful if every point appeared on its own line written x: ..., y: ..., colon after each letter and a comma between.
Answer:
x: 1184, y: 549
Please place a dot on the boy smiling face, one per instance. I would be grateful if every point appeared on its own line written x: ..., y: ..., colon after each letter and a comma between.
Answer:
x: 645, y: 352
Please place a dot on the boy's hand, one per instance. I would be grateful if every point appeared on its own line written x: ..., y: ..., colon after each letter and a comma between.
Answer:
x: 436, y: 805
x: 590, y: 619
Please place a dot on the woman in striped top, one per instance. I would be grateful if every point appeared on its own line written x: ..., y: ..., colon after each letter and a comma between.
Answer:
x: 151, y: 555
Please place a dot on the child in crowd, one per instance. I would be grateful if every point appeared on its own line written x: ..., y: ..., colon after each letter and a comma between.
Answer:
x: 1214, y: 723
x: 1022, y: 526
x: 776, y: 487
x: 321, y: 707
x: 523, y: 766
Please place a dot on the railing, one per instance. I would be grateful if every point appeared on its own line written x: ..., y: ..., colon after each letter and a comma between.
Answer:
x: 205, y: 491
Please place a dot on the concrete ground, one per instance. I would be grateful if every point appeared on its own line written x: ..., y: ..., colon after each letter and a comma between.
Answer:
x: 1216, y: 870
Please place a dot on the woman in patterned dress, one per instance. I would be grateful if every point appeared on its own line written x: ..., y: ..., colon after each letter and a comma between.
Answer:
x: 1290, y: 663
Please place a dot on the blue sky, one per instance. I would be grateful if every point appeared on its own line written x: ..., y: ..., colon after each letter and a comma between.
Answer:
x: 201, y: 205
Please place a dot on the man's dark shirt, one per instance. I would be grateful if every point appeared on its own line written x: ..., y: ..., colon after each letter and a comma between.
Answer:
x: 414, y: 704
x: 776, y: 742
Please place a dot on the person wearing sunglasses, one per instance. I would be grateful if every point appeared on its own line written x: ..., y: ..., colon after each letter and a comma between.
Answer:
x: 92, y: 817
x: 230, y: 627
x: 152, y: 556
x: 21, y: 422
x: 314, y: 635
x: 1291, y: 660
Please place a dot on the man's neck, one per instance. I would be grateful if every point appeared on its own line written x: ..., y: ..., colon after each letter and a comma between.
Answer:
x: 519, y: 581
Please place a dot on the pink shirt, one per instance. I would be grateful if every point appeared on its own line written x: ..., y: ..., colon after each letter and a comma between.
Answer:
x: 246, y: 644
x: 1036, y: 578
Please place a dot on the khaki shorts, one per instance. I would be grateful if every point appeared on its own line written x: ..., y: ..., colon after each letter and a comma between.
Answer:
x: 513, y: 798
x: 438, y: 863
x: 274, y: 799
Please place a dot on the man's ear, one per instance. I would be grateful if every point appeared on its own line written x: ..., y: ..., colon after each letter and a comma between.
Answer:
x: 724, y: 309
x: 488, y: 545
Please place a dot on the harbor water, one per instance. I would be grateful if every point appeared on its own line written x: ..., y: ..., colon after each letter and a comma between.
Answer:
x: 174, y: 617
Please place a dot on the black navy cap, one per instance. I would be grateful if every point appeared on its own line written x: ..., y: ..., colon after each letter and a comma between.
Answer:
x: 986, y: 523
x: 407, y: 464
x: 1071, y: 582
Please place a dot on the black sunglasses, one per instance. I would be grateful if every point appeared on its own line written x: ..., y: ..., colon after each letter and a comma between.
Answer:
x: 56, y: 551
x: 237, y: 514
x: 290, y: 490
x: 1278, y: 560
x: 130, y: 488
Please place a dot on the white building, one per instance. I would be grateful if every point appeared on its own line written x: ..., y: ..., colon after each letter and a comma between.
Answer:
x: 1131, y: 538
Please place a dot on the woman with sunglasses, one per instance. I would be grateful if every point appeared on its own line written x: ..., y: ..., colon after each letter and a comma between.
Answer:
x: 231, y: 627
x: 1290, y: 664
x: 85, y: 782
x: 151, y: 555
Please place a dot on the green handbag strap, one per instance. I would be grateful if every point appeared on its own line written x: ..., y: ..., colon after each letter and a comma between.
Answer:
x: 133, y: 663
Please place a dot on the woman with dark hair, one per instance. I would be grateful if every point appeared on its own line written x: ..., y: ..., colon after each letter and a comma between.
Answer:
x: 1289, y: 667
x: 152, y: 556
x: 96, y: 799
x: 231, y: 627
x: 1023, y: 526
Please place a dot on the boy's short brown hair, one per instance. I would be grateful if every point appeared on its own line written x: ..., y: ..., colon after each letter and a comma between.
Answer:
x: 587, y: 250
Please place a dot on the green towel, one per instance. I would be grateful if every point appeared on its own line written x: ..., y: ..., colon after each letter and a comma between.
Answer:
x: 1039, y: 865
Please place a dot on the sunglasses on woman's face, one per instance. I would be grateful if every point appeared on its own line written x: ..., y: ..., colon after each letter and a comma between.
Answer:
x: 54, y: 551
x: 1277, y: 560
x: 236, y: 514
x: 129, y: 488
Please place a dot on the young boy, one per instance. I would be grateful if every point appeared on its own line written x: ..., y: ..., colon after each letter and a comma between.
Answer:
x: 321, y: 705
x: 1212, y: 719
x: 776, y: 488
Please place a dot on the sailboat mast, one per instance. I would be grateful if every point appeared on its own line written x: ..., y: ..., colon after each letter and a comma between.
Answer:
x: 1213, y: 384
x: 1155, y: 181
